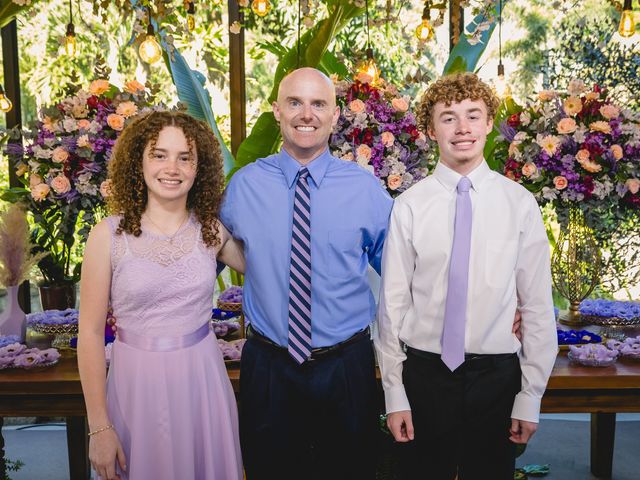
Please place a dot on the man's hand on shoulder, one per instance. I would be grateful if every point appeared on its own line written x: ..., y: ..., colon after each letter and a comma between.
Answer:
x: 401, y: 425
x: 521, y: 430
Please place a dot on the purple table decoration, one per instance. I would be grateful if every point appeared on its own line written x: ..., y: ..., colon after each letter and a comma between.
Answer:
x: 592, y: 355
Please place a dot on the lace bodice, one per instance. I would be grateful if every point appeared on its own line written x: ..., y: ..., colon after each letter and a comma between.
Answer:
x: 161, y: 285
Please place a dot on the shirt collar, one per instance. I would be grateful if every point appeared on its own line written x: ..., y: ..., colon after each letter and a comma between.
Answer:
x: 449, y: 178
x: 290, y: 166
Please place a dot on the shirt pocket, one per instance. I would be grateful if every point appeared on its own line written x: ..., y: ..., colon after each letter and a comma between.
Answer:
x: 344, y: 252
x: 500, y: 263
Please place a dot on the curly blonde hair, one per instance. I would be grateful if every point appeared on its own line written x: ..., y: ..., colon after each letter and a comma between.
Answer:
x: 455, y: 88
x: 128, y: 191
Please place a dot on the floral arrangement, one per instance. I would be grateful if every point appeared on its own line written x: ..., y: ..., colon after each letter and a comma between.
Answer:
x: 16, y: 259
x: 18, y: 355
x: 629, y: 348
x: 54, y: 317
x: 610, y: 308
x: 64, y: 166
x: 233, y: 294
x: 576, y: 337
x: 575, y: 146
x: 377, y: 130
x: 8, y: 340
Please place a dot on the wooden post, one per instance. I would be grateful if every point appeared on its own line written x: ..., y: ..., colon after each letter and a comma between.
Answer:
x: 456, y: 23
x: 237, y: 92
x: 11, y: 71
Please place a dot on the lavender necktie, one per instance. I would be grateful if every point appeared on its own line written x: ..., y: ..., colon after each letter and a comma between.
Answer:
x: 300, y: 273
x: 456, y: 305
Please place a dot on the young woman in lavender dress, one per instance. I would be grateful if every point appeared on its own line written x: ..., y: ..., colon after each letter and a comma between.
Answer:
x: 167, y: 409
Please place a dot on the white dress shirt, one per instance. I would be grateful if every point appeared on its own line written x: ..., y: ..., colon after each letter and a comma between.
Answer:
x: 509, y: 267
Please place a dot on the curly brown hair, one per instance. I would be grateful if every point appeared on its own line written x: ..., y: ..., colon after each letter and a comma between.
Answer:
x: 455, y: 88
x: 128, y: 191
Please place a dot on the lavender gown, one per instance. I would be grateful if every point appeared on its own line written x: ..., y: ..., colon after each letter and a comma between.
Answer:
x: 168, y: 393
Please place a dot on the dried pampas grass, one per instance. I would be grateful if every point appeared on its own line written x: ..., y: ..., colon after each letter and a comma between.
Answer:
x: 16, y: 260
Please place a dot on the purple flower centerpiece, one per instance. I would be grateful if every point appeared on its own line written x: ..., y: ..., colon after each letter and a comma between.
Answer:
x: 63, y: 166
x: 17, y: 355
x: 233, y: 294
x: 610, y: 312
x: 377, y: 130
x: 592, y: 355
x: 577, y: 337
x: 61, y: 323
x: 575, y: 147
x: 629, y: 348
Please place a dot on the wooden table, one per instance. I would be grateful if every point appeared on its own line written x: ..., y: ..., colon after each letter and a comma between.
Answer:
x: 602, y: 392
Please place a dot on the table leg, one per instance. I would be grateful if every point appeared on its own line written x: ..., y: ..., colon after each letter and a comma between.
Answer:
x: 3, y: 467
x: 603, y: 432
x: 77, y: 445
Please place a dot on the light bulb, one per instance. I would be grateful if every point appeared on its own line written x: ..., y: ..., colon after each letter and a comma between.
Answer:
x: 150, y: 50
x: 500, y: 83
x: 70, y: 46
x: 261, y: 7
x: 424, y: 32
x: 627, y: 24
x: 191, y: 20
x: 368, y: 68
x: 5, y: 103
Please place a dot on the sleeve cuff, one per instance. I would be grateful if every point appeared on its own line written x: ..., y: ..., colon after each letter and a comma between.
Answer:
x: 395, y: 399
x: 526, y: 408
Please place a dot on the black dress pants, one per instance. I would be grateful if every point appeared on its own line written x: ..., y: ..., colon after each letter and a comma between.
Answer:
x: 313, y: 421
x: 461, y: 419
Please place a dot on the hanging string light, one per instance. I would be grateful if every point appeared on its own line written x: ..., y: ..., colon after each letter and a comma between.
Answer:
x: 500, y: 82
x: 424, y: 32
x: 191, y: 19
x: 368, y: 65
x: 70, y: 36
x: 5, y: 103
x: 627, y: 21
x: 261, y: 7
x: 150, y: 50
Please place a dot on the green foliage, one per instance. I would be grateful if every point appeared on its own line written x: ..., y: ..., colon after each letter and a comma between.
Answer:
x: 11, y: 466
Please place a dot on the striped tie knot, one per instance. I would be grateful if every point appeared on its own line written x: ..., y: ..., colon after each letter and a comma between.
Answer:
x: 303, y: 174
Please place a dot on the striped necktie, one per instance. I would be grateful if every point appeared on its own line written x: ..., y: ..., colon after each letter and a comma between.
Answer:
x: 300, y: 273
x: 455, y: 311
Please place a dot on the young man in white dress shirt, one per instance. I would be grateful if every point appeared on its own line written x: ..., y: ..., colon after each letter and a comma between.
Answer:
x: 465, y: 247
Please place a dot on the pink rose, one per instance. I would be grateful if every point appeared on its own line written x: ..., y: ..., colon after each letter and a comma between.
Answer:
x: 84, y: 124
x: 363, y: 152
x: 133, y: 87
x: 394, y: 181
x: 39, y: 192
x: 34, y: 179
x: 98, y: 87
x: 609, y: 111
x: 59, y: 155
x: 61, y: 184
x: 529, y: 169
x: 567, y: 125
x: 617, y: 152
x: 560, y: 182
x: 357, y: 106
x: 387, y: 139
x: 399, y: 104
x: 105, y: 188
x: 633, y: 184
x: 115, y: 121
x: 583, y: 155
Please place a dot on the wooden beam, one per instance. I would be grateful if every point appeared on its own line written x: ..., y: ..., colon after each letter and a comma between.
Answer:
x: 456, y: 22
x: 13, y: 118
x: 237, y: 93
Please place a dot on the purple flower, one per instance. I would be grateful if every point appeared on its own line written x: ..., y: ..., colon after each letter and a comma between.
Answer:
x: 27, y: 359
x: 12, y: 350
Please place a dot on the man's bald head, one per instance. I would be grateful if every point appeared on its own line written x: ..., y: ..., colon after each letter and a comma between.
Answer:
x: 306, y: 74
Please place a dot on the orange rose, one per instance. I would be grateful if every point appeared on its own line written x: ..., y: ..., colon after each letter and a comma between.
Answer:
x: 59, y: 155
x: 609, y: 111
x: 387, y: 139
x: 84, y: 124
x: 34, y: 179
x: 61, y: 184
x: 133, y: 87
x: 115, y: 121
x: 560, y: 182
x: 363, y: 152
x: 357, y: 106
x: 633, y: 184
x: 617, y: 152
x: 600, y: 126
x: 400, y: 104
x: 98, y: 87
x: 583, y: 155
x: 567, y: 125
x: 394, y: 181
x: 127, y: 109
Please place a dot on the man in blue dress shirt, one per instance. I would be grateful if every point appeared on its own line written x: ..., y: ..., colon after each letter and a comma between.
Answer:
x: 307, y: 411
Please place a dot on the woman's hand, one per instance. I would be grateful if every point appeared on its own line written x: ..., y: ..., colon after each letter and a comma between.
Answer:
x: 104, y: 450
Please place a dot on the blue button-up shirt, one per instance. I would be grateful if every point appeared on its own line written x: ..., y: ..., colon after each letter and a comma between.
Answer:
x: 349, y: 215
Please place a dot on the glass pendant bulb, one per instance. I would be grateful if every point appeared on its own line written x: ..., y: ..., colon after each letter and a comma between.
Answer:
x: 70, y: 46
x: 424, y: 32
x: 369, y: 68
x: 191, y: 19
x: 150, y: 50
x: 5, y: 103
x: 261, y: 7
x: 627, y: 21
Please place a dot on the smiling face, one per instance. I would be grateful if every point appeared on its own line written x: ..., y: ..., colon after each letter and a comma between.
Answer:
x: 461, y: 131
x: 306, y: 109
x: 169, y: 166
